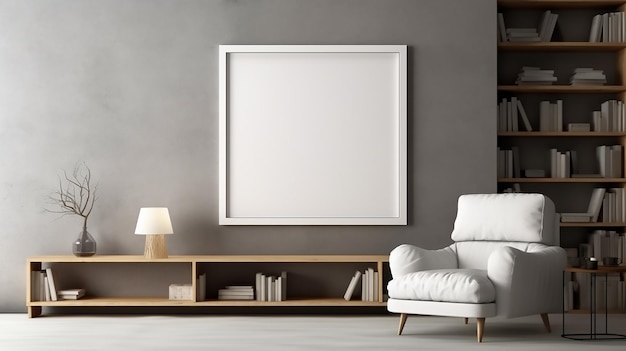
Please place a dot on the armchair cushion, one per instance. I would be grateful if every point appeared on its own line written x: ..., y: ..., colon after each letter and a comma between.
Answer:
x: 505, y: 217
x: 446, y: 285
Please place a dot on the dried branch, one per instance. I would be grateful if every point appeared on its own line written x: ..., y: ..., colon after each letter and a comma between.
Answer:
x: 77, y: 196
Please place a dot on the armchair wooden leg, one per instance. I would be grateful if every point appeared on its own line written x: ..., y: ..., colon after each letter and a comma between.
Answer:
x: 546, y: 322
x: 465, y: 320
x: 480, y: 326
x: 402, y: 321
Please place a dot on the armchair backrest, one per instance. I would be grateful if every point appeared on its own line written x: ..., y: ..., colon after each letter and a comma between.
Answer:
x: 486, y: 222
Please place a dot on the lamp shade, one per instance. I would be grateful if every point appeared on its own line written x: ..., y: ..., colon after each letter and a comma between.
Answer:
x: 154, y: 220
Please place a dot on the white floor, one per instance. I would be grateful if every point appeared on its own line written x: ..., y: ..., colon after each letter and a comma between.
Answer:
x: 288, y: 332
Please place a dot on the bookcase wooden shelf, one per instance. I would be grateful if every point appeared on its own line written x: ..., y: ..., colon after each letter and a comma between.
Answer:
x: 562, y: 134
x: 592, y: 224
x: 561, y: 180
x: 569, y: 50
x: 378, y: 262
x: 564, y: 46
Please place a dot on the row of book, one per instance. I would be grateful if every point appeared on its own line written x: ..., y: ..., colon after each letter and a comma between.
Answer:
x: 543, y: 33
x: 270, y: 287
x: 564, y: 164
x: 43, y: 288
x: 369, y: 285
x: 608, y: 27
x: 610, y: 118
x: 509, y: 114
x: 512, y: 116
x: 609, y: 291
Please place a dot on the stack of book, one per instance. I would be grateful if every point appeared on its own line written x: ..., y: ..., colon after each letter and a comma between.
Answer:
x: 236, y: 292
x: 587, y: 76
x: 71, y: 294
x: 271, y: 288
x: 608, y: 27
x: 535, y: 76
x: 522, y: 34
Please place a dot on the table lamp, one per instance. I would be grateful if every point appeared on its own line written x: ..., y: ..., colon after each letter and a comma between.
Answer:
x: 154, y: 223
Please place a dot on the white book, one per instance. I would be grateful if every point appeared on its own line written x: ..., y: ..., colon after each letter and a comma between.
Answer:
x: 259, y: 279
x: 201, y: 287
x: 51, y: 284
x: 595, y: 203
x: 574, y: 217
x: 596, y: 29
x: 352, y: 285
x: 551, y: 27
x: 370, y: 284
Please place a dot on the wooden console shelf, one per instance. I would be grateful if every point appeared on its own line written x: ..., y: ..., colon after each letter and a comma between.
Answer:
x: 377, y: 262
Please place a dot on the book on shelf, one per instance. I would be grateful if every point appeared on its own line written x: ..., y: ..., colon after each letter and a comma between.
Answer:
x: 352, y: 285
x: 71, y: 294
x: 575, y: 217
x: 595, y: 33
x: 51, y: 284
x: 607, y: 27
x: 535, y: 76
x: 270, y: 287
x: 551, y: 116
x: 201, y: 287
x: 578, y: 127
x: 595, y: 203
x: 237, y: 292
x: 609, y: 160
x: 587, y: 76
x: 610, y: 118
x: 534, y: 173
x: 509, y: 114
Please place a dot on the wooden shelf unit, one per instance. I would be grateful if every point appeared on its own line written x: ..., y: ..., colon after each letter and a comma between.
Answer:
x: 570, y: 49
x: 377, y: 262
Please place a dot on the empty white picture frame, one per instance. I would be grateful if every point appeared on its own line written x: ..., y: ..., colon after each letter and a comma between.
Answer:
x: 312, y: 134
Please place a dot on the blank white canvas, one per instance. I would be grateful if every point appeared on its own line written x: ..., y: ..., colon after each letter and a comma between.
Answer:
x: 313, y: 135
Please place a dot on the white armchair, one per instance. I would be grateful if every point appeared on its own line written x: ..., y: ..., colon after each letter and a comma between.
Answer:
x: 500, y: 264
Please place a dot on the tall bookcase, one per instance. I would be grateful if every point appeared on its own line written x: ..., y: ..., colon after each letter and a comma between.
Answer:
x: 568, y: 49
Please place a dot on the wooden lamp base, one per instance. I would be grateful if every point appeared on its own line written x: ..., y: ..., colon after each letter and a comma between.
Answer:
x: 155, y: 246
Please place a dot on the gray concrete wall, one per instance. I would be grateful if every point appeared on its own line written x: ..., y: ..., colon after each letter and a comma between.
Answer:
x: 130, y: 87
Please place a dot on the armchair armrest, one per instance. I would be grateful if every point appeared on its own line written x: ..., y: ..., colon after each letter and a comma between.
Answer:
x: 407, y: 258
x: 527, y: 282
